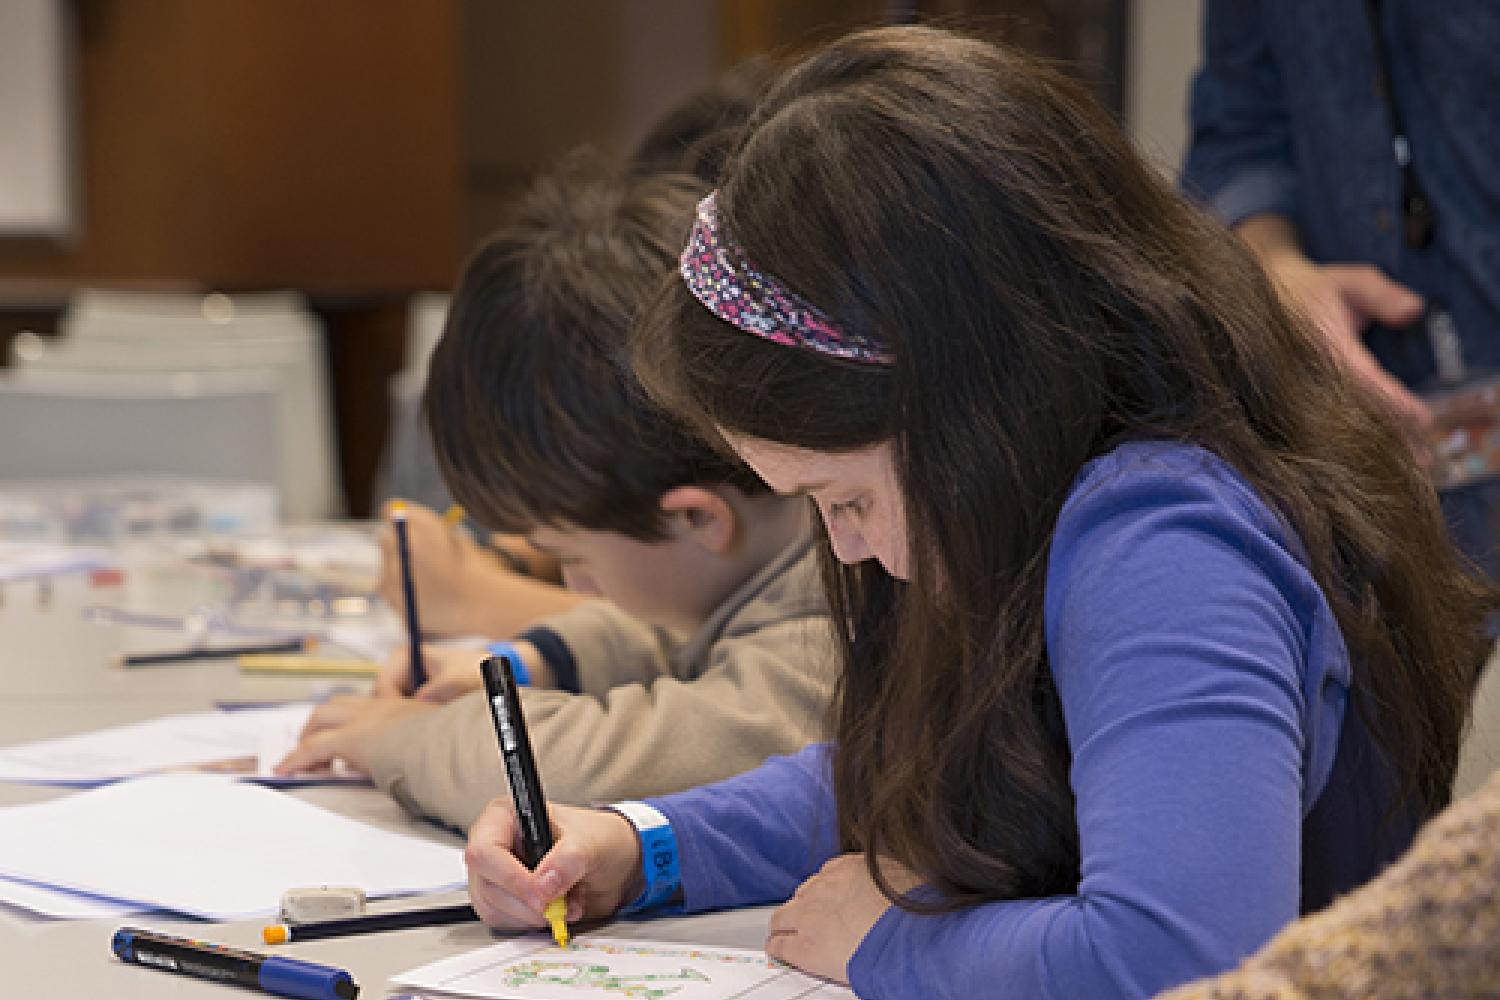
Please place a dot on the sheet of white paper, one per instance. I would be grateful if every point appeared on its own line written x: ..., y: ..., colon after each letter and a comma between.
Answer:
x: 60, y: 903
x: 211, y: 847
x: 382, y: 633
x: 243, y: 742
x: 368, y: 640
x: 25, y: 560
x: 599, y: 968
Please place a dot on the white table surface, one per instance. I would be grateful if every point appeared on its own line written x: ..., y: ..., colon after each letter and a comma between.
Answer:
x: 57, y: 678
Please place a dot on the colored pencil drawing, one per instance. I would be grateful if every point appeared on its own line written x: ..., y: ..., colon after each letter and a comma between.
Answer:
x: 601, y: 968
x: 646, y: 986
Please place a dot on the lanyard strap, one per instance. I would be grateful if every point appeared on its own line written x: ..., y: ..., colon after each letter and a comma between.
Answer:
x: 1416, y: 209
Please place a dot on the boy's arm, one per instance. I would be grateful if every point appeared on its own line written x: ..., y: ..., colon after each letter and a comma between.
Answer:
x: 595, y: 647
x: 763, y: 693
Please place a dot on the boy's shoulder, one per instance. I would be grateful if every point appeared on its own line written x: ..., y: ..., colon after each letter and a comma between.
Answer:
x: 787, y: 589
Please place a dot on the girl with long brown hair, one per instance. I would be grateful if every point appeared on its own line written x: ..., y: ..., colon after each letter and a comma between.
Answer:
x: 1153, y: 635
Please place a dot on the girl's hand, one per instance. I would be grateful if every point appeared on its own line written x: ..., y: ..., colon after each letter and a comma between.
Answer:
x: 595, y: 860
x: 821, y: 927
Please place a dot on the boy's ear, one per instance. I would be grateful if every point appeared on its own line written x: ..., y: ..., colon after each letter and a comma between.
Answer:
x: 704, y: 515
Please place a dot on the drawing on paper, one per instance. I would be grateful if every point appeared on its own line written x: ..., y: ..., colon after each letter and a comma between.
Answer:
x: 599, y: 968
x: 600, y: 977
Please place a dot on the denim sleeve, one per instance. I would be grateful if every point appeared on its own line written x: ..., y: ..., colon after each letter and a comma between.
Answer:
x: 1177, y: 646
x: 1240, y: 161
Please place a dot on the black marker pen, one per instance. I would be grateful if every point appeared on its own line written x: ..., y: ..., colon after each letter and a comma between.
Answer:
x: 285, y: 977
x: 520, y: 771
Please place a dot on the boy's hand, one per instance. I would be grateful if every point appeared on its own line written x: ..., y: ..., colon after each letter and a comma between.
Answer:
x: 443, y: 561
x: 820, y: 928
x: 451, y: 673
x: 595, y: 860
x: 462, y: 589
x: 346, y: 727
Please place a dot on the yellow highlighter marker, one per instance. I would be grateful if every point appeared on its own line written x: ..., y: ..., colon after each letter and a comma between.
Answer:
x: 267, y: 663
x: 557, y: 915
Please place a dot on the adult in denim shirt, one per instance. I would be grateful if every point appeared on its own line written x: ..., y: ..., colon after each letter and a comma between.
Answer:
x: 1293, y: 146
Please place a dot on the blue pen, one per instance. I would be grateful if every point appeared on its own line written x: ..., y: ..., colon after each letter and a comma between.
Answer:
x: 408, y: 595
x: 285, y: 977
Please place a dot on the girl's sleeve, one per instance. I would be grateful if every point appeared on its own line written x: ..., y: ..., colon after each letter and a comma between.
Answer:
x: 1177, y: 635
x: 756, y: 837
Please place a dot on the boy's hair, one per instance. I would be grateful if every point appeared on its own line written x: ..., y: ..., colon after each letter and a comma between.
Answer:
x: 535, y: 419
x: 696, y: 136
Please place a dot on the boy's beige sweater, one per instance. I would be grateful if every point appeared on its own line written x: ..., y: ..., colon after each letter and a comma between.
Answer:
x: 654, y: 714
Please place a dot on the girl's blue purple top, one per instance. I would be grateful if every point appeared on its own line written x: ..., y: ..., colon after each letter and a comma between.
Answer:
x: 1222, y: 785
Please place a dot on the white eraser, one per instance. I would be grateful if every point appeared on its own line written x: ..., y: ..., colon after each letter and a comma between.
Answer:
x: 323, y: 902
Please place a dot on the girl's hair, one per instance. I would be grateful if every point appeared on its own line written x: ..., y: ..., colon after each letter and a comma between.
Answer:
x: 1045, y: 296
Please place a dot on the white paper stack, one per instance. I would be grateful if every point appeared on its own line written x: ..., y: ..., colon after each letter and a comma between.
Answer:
x: 244, y: 743
x: 209, y: 847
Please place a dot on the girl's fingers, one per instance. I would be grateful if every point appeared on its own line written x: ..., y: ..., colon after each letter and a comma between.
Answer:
x: 499, y: 908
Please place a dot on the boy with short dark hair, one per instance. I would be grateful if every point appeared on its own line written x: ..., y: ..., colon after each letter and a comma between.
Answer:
x: 714, y: 647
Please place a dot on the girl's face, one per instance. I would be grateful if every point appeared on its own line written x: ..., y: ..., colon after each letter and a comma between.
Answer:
x: 856, y: 492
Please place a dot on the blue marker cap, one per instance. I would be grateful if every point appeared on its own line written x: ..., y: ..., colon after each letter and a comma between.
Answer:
x: 292, y: 978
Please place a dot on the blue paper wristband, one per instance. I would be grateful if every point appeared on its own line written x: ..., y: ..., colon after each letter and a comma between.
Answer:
x: 660, y: 863
x: 517, y: 664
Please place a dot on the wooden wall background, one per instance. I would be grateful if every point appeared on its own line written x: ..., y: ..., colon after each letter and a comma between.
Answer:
x: 356, y: 149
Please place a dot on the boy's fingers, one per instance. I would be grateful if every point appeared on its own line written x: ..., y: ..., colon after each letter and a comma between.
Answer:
x: 312, y: 752
x: 330, y: 715
x: 389, y: 683
x: 436, y: 691
x: 445, y: 688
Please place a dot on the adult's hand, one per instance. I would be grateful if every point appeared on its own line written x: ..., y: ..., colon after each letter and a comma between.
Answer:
x: 1342, y: 300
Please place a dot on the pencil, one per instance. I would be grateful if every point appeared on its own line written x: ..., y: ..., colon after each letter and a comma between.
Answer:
x: 210, y: 652
x: 371, y: 924
x: 454, y: 516
x: 281, y: 664
x: 408, y: 596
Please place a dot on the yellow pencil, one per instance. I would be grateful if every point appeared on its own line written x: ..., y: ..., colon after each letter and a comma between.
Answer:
x: 454, y: 515
x: 292, y: 664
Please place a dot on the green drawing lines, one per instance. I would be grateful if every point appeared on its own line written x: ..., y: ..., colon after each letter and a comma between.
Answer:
x: 599, y: 977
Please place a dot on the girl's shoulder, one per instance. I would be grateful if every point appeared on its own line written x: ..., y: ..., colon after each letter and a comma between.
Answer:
x: 1148, y: 507
x: 1147, y: 473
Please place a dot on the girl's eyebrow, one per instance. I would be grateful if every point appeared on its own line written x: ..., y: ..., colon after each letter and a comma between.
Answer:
x: 798, y: 489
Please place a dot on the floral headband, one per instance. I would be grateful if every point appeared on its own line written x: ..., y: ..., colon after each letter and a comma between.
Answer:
x: 716, y: 271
